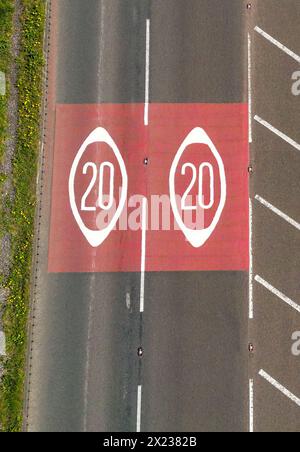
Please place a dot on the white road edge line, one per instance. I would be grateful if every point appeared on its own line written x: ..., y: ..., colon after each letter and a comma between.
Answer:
x: 139, y: 409
x: 278, y: 212
x: 143, y: 254
x: 278, y: 44
x: 251, y: 305
x: 277, y: 132
x: 276, y: 292
x: 250, y: 88
x: 147, y: 74
x: 251, y: 406
x: 280, y: 388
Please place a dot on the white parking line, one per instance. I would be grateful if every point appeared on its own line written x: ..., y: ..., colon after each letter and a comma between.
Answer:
x: 139, y: 409
x: 278, y: 44
x: 251, y: 406
x: 277, y: 293
x: 278, y: 212
x: 147, y: 74
x: 143, y: 253
x: 250, y: 88
x: 251, y: 307
x: 277, y: 132
x: 280, y: 388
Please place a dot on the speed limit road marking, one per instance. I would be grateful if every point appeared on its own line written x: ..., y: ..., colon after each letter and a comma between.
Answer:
x: 97, y: 237
x: 190, y: 163
x: 197, y: 237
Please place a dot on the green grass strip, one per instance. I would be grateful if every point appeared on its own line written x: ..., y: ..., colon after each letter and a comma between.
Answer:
x: 21, y: 221
x: 6, y: 27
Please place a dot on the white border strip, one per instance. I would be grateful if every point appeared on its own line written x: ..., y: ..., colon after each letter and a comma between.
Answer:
x: 278, y: 212
x: 143, y: 253
x: 278, y: 44
x: 251, y: 406
x: 139, y: 409
x: 249, y: 88
x: 277, y: 132
x: 276, y: 292
x: 147, y: 74
x: 280, y: 388
x: 251, y: 304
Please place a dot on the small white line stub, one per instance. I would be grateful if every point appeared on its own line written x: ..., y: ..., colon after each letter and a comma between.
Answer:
x: 251, y: 406
x: 139, y: 409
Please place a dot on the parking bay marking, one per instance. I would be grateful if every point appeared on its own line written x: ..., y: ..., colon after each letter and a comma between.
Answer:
x: 276, y: 292
x: 277, y: 132
x: 280, y: 388
x: 278, y: 212
x: 278, y: 44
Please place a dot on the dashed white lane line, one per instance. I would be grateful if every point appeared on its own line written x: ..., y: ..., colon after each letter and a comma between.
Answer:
x: 278, y: 212
x: 250, y: 88
x: 276, y: 292
x: 143, y: 253
x: 278, y: 44
x: 251, y: 406
x: 251, y: 304
x: 147, y: 74
x: 128, y: 301
x: 277, y: 132
x: 280, y: 388
x: 139, y: 409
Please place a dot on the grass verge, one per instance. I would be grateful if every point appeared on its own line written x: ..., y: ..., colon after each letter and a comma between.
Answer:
x: 20, y: 221
x: 6, y: 27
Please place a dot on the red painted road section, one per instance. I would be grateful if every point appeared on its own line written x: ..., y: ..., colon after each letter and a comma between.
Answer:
x: 167, y: 250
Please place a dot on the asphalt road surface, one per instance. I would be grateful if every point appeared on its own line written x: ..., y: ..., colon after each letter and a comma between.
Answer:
x: 150, y: 71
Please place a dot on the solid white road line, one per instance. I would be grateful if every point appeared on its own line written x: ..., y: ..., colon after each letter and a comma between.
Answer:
x: 277, y: 44
x: 92, y: 297
x: 280, y: 388
x: 277, y: 293
x: 251, y: 306
x: 147, y: 74
x: 277, y: 132
x: 143, y: 253
x: 139, y: 409
x: 278, y: 212
x: 251, y: 406
x: 250, y: 88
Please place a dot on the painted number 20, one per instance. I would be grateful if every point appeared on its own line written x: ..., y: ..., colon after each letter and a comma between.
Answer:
x: 204, y: 206
x: 105, y: 166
